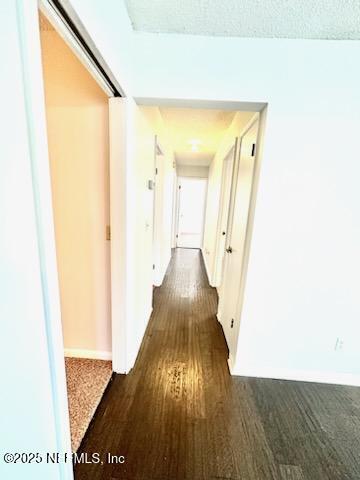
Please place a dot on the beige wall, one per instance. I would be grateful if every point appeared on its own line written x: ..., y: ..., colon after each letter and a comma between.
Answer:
x: 77, y: 122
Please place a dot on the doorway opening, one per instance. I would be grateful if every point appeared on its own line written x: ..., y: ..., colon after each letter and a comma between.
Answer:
x: 191, y: 217
x: 217, y: 156
x: 78, y: 142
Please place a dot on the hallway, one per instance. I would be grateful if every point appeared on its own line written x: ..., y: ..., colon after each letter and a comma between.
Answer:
x: 179, y: 415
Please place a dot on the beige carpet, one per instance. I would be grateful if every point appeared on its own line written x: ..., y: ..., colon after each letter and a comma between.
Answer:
x: 86, y: 382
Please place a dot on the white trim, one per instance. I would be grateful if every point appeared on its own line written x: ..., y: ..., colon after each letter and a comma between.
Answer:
x: 119, y: 230
x: 299, y: 375
x: 93, y: 354
x: 29, y: 33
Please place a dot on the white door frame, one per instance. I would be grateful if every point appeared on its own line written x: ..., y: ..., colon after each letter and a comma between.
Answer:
x: 116, y: 122
x: 36, y: 118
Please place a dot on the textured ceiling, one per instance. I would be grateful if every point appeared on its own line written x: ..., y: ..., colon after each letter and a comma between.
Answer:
x: 308, y: 19
x: 204, y: 126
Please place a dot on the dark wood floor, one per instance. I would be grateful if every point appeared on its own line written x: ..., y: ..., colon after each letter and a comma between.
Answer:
x: 179, y: 415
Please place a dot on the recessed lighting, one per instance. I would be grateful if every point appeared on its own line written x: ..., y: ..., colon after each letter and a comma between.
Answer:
x: 195, y: 144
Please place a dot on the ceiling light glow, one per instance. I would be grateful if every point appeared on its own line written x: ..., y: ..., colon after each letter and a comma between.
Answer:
x: 195, y: 144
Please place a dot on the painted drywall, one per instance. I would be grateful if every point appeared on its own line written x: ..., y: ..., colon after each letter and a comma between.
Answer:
x: 192, y: 171
x: 211, y: 232
x: 77, y: 125
x: 30, y: 383
x: 132, y: 166
x: 164, y: 184
x: 139, y: 226
x: 302, y: 284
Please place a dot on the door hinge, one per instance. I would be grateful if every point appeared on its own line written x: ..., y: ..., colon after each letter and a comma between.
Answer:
x: 156, y: 171
x: 253, y: 149
x: 108, y: 232
x: 153, y: 266
x: 177, y: 236
x: 232, y: 323
x: 179, y: 187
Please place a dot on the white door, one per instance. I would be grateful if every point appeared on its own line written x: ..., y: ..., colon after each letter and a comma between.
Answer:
x: 223, y: 219
x: 230, y: 292
x: 192, y: 198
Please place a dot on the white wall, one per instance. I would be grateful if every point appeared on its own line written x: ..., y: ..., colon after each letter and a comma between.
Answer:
x: 192, y: 171
x: 240, y: 121
x: 139, y: 225
x: 34, y: 413
x: 164, y: 194
x: 302, y: 288
x: 311, y: 88
x: 132, y: 166
x: 78, y: 136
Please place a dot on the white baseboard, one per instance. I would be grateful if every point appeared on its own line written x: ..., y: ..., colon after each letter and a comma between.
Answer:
x: 299, y: 375
x: 206, y: 267
x: 93, y: 354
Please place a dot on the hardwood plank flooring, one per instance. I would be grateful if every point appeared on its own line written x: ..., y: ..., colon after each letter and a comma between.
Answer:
x: 179, y: 415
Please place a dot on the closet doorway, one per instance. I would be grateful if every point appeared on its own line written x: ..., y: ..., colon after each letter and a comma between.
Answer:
x: 77, y: 115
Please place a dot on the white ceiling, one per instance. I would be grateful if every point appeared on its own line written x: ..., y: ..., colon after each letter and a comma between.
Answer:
x: 307, y: 19
x: 204, y: 126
